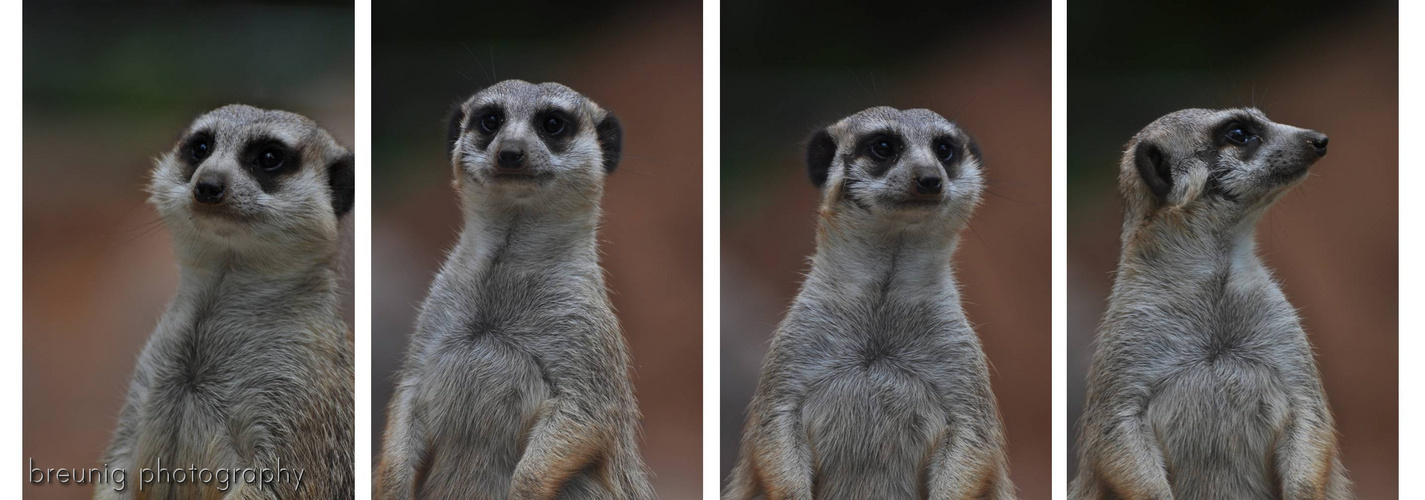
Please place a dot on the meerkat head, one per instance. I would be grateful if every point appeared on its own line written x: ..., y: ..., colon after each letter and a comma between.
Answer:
x: 898, y: 165
x: 254, y: 181
x: 522, y: 142
x: 1221, y: 162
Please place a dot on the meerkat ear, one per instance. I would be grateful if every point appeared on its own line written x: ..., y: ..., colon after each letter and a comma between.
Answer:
x: 1155, y: 170
x: 821, y: 149
x: 610, y: 140
x: 453, y: 128
x: 341, y: 177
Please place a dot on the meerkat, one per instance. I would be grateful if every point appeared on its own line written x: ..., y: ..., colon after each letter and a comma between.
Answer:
x: 875, y: 385
x: 251, y: 365
x: 1203, y: 385
x: 516, y: 381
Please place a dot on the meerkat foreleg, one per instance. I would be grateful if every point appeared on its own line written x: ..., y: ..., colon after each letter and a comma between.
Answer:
x: 121, y: 447
x: 1307, y: 463
x: 780, y: 456
x: 564, y: 441
x: 401, y: 455
x: 1130, y: 463
x: 963, y: 468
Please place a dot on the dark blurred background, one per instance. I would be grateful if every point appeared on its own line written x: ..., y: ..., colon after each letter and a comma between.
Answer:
x: 107, y: 88
x: 641, y: 60
x: 790, y: 67
x: 1332, y: 241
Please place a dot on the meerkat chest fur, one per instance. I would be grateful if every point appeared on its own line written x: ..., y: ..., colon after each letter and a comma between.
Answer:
x: 1229, y: 352
x: 881, y: 322
x: 517, y: 298
x: 215, y: 364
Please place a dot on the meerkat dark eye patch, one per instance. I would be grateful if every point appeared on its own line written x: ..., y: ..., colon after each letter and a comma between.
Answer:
x: 1242, y: 136
x: 268, y: 160
x: 1239, y: 133
x: 821, y: 150
x: 1154, y: 168
x: 556, y: 128
x: 195, y: 149
x: 945, y: 149
x: 341, y: 178
x: 882, y: 148
x: 952, y: 152
x: 271, y: 159
x: 491, y: 120
x: 555, y: 123
x: 610, y: 134
x: 485, y: 121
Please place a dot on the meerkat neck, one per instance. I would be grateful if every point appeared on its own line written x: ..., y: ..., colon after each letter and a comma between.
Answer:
x: 899, y: 256
x: 1186, y: 250
x: 529, y: 234
x: 310, y: 290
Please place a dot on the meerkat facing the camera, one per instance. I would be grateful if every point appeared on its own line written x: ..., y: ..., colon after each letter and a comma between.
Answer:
x: 516, y: 381
x: 251, y: 366
x: 1204, y: 385
x: 875, y: 386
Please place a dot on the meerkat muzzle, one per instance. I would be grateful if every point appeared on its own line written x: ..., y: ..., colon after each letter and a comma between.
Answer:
x: 211, y: 189
x: 1318, y: 140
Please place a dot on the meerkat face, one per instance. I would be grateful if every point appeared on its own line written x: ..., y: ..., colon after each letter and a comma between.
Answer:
x: 888, y: 163
x: 1234, y: 157
x: 527, y: 141
x: 254, y: 179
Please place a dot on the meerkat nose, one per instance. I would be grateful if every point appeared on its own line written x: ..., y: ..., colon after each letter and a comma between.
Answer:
x: 1318, y: 141
x: 210, y: 190
x: 927, y: 185
x: 511, y: 158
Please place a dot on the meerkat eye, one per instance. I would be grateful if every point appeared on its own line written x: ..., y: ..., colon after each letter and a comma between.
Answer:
x: 882, y: 149
x: 944, y: 150
x: 491, y: 122
x: 200, y: 148
x: 271, y: 159
x: 553, y: 125
x: 1239, y: 135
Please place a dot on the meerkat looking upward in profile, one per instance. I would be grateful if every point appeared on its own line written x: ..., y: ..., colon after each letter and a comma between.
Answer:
x: 875, y: 386
x: 251, y: 365
x: 1204, y: 385
x: 515, y: 384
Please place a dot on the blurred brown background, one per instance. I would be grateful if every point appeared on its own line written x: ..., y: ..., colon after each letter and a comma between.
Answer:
x: 984, y: 66
x: 107, y: 89
x: 1332, y: 241
x: 642, y: 60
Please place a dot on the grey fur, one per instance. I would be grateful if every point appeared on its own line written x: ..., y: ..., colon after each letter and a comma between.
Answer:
x: 875, y: 385
x: 251, y: 364
x: 516, y: 383
x: 1204, y: 385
